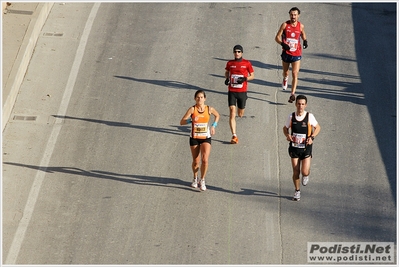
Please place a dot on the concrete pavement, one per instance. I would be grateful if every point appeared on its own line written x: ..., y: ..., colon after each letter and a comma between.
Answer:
x: 97, y: 183
x: 21, y: 26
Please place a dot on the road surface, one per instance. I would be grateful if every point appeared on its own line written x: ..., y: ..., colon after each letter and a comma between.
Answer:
x: 97, y: 169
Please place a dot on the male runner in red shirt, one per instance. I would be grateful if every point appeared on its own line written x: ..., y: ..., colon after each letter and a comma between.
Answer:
x: 288, y: 36
x: 238, y: 72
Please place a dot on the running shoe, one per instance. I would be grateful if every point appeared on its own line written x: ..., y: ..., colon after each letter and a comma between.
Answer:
x: 195, y: 183
x: 234, y: 140
x: 202, y: 185
x: 305, y: 180
x: 292, y: 98
x: 285, y: 84
x: 297, y: 196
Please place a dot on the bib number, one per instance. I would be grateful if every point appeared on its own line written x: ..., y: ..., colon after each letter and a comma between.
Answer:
x: 200, y: 130
x: 299, y: 140
x: 293, y: 43
x: 234, y: 83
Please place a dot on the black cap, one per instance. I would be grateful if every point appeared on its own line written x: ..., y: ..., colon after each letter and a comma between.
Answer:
x: 238, y: 47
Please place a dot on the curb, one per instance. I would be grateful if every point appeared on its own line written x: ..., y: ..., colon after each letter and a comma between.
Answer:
x: 23, y: 58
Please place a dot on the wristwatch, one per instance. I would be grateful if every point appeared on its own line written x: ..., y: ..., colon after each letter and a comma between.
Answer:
x: 312, y: 137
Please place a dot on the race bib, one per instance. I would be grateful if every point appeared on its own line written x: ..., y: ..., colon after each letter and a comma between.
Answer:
x: 298, y: 140
x: 234, y: 83
x: 293, y: 43
x: 200, y: 129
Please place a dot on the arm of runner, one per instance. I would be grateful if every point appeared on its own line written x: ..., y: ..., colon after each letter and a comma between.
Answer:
x: 226, y: 74
x: 315, y: 124
x: 251, y: 76
x: 303, y: 34
x: 227, y: 78
x: 287, y: 134
x: 287, y: 127
x: 316, y: 131
x: 279, y: 33
x: 187, y: 116
x: 217, y: 117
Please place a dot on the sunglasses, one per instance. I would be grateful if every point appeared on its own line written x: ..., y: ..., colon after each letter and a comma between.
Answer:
x: 237, y: 51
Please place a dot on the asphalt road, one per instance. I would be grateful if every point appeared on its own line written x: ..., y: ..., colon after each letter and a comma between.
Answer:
x: 102, y: 174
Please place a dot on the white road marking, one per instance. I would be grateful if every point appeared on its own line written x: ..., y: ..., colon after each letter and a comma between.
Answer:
x: 34, y: 192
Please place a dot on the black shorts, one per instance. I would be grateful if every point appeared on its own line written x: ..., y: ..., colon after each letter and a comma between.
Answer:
x: 288, y: 58
x: 198, y: 142
x: 237, y: 98
x: 301, y: 153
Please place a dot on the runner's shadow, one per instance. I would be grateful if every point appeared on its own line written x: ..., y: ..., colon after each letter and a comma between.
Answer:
x: 247, y: 191
x: 144, y: 180
x: 169, y: 84
x: 181, y: 129
x: 127, y: 125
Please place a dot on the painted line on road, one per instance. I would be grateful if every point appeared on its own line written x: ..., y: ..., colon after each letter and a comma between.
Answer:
x: 269, y: 228
x: 35, y: 189
x: 266, y: 152
x: 278, y: 178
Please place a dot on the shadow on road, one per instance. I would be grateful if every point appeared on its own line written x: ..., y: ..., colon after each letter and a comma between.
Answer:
x: 378, y: 82
x: 353, y: 91
x: 181, y: 130
x: 143, y: 180
x: 181, y: 85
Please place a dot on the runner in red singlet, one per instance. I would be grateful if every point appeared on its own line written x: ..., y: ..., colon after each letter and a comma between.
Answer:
x: 288, y: 36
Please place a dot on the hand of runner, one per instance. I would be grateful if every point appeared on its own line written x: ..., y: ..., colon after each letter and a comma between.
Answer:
x: 240, y: 80
x: 285, y: 46
x: 305, y: 44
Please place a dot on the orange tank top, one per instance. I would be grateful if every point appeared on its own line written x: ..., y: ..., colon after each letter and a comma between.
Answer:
x: 200, y: 123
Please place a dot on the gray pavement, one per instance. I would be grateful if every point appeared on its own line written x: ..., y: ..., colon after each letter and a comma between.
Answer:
x: 21, y: 26
x: 113, y: 186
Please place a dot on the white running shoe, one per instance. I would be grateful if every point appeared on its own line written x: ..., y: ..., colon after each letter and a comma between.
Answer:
x: 195, y: 183
x: 202, y: 185
x: 297, y: 196
x: 305, y: 180
x: 285, y: 83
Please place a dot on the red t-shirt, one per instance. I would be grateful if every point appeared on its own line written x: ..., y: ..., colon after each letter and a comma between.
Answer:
x: 292, y: 37
x: 238, y: 68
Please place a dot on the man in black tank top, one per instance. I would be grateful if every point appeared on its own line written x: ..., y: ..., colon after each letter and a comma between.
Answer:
x: 300, y: 129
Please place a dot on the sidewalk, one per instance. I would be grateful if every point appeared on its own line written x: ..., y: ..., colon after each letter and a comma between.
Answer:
x: 21, y: 25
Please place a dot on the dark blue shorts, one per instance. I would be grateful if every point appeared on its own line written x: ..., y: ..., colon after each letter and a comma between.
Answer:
x: 288, y: 58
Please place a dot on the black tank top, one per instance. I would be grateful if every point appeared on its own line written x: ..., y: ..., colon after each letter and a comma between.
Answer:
x: 300, y: 131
